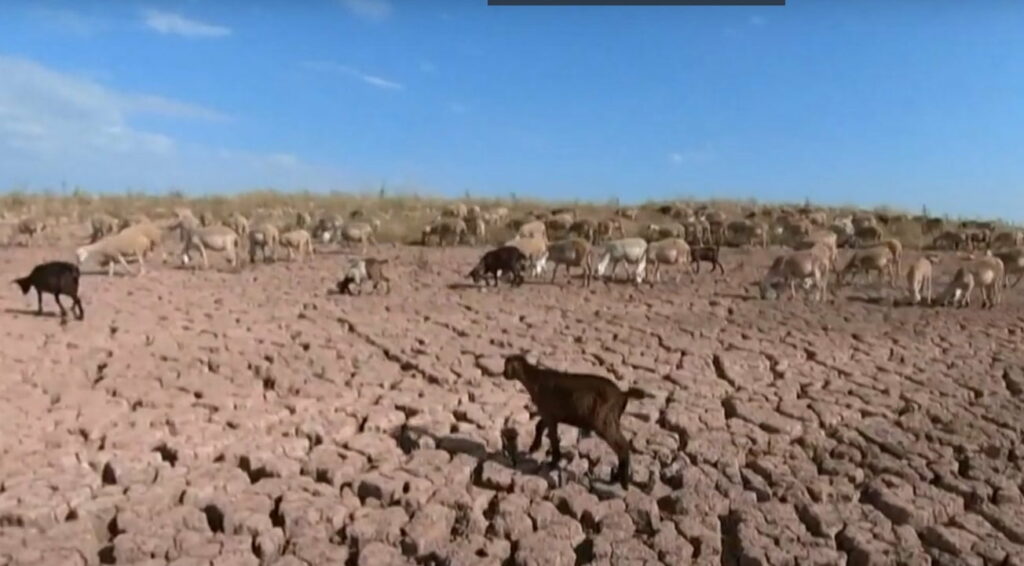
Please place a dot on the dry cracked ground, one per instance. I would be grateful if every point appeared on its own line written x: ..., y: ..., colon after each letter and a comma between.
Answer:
x: 254, y: 418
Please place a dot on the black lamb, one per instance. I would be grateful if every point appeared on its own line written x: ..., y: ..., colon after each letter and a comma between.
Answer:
x: 507, y: 259
x: 59, y: 278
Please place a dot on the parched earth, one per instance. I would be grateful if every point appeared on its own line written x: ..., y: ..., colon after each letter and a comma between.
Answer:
x: 255, y: 418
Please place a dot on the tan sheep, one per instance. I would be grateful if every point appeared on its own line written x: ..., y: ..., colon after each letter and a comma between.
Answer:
x: 216, y: 238
x: 297, y: 241
x: 533, y: 229
x: 572, y: 252
x: 805, y: 267
x: 264, y: 236
x: 866, y: 260
x: 357, y: 233
x: 238, y: 223
x: 535, y: 249
x: 959, y: 289
x: 670, y: 251
x: 919, y: 280
x: 989, y: 274
x: 102, y: 225
x: 445, y: 229
x: 1013, y: 263
x: 115, y: 249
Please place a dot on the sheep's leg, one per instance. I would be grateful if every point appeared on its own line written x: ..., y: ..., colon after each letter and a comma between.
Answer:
x: 206, y: 260
x: 124, y: 263
x: 142, y: 264
x: 554, y: 272
x: 719, y: 265
x: 1019, y: 277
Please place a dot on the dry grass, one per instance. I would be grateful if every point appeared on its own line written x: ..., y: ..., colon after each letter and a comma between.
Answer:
x: 402, y: 217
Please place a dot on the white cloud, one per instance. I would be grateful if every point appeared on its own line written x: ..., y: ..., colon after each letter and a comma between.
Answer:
x: 55, y: 126
x: 369, y: 9
x: 176, y: 24
x: 373, y: 80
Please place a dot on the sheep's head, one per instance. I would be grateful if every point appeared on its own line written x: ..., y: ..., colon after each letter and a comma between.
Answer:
x: 477, y: 273
x: 81, y: 254
x: 515, y: 367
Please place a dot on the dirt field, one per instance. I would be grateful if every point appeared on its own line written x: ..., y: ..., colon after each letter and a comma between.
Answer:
x: 254, y: 418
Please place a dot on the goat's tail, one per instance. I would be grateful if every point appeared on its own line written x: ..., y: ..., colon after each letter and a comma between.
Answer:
x: 24, y: 283
x: 635, y: 393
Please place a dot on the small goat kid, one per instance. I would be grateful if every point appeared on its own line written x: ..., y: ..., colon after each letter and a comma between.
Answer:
x: 58, y: 278
x: 588, y: 402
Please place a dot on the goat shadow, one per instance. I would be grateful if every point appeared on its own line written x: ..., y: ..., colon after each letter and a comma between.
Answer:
x: 32, y: 312
x: 526, y: 463
x: 892, y: 302
x: 736, y: 296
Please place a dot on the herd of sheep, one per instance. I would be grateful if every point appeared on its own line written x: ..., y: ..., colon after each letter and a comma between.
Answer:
x: 596, y: 248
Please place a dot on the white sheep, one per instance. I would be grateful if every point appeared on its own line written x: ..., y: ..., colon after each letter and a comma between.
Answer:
x: 866, y: 260
x: 117, y: 248
x: 102, y: 225
x: 989, y: 274
x: 533, y: 229
x: 628, y: 250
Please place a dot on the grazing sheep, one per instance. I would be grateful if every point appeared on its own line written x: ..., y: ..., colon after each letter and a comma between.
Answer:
x: 824, y: 242
x: 216, y: 238
x: 627, y: 213
x: 1013, y: 263
x: 31, y: 226
x: 476, y: 230
x: 919, y: 280
x: 1008, y: 239
x: 589, y: 402
x: 534, y: 229
x: 262, y: 237
x: 506, y: 259
x: 584, y: 228
x: 607, y: 229
x: 327, y: 227
x: 298, y: 241
x: 950, y: 240
x: 147, y: 230
x: 58, y: 278
x: 536, y: 251
x: 866, y: 260
x: 670, y: 251
x: 628, y: 250
x: 989, y: 274
x: 572, y: 252
x: 457, y: 210
x: 656, y: 232
x: 959, y: 289
x: 895, y: 248
x: 302, y: 220
x: 709, y: 254
x: 102, y: 225
x: 559, y: 222
x: 446, y: 228
x: 115, y: 248
x: 804, y: 266
x: 238, y: 223
x: 366, y: 269
x: 357, y: 232
x: 746, y: 233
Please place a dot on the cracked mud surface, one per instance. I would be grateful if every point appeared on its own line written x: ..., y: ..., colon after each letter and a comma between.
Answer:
x: 253, y: 418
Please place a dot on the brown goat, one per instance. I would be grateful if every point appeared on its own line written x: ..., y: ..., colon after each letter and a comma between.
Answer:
x: 706, y: 253
x: 588, y: 402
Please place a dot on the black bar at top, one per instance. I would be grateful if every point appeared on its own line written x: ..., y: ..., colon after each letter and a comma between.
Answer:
x: 636, y: 2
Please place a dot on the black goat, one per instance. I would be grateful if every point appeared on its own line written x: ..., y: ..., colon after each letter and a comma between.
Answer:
x: 589, y: 402
x: 708, y: 254
x: 507, y: 259
x: 59, y: 278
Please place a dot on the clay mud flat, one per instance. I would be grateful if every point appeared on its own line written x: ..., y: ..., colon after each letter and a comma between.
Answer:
x: 254, y: 418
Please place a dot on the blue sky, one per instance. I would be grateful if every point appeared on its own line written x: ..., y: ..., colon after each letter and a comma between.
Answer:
x: 868, y: 102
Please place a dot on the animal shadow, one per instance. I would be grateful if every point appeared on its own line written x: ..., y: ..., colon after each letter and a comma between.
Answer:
x: 31, y: 312
x: 525, y: 463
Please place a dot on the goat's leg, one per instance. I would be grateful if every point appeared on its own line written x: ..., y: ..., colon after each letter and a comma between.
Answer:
x: 39, y: 296
x: 63, y: 312
x: 556, y: 450
x: 78, y: 305
x: 538, y: 434
x: 618, y: 443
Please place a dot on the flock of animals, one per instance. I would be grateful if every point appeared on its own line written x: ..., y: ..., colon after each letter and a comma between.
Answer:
x: 597, y: 248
